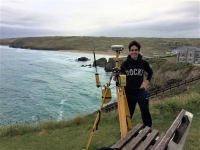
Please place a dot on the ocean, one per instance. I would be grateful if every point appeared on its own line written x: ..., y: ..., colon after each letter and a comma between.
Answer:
x: 37, y: 85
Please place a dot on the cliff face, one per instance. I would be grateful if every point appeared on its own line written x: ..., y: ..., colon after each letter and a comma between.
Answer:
x: 32, y: 43
x: 6, y: 41
x: 166, y: 72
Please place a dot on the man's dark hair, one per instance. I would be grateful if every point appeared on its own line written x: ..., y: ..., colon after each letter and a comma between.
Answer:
x: 132, y: 43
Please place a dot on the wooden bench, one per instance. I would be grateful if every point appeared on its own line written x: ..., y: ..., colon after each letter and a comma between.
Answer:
x: 145, y: 138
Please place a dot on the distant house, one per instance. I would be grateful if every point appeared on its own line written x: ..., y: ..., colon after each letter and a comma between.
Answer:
x: 172, y: 52
x: 188, y: 54
x: 168, y: 52
x: 156, y: 55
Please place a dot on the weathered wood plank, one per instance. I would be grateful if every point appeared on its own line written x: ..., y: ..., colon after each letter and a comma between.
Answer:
x: 136, y: 141
x: 123, y: 141
x: 158, y: 141
x: 145, y: 145
x: 170, y: 132
x: 142, y: 139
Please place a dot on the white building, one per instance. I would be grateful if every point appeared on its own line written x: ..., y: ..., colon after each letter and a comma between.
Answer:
x: 156, y: 55
x: 188, y: 54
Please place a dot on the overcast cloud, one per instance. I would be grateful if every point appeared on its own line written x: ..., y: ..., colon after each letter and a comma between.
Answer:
x: 111, y: 18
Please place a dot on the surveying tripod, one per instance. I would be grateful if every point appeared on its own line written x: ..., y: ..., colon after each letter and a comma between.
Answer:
x: 123, y: 110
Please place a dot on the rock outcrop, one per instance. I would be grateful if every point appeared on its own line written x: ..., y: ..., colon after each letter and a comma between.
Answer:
x: 100, y: 62
x: 82, y: 59
x: 108, y: 65
x: 86, y: 65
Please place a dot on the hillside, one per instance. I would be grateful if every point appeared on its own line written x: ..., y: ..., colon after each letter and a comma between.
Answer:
x: 149, y: 45
x: 167, y: 72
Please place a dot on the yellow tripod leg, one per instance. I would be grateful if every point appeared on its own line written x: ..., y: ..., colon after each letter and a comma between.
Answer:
x: 121, y: 112
x: 98, y: 115
x: 91, y: 134
x: 128, y: 116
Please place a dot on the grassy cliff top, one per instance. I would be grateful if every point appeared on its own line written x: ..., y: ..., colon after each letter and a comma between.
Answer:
x: 149, y: 45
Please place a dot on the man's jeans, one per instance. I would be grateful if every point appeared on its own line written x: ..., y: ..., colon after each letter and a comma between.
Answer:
x: 142, y: 99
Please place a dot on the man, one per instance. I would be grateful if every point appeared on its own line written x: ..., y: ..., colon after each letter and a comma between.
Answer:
x: 134, y: 68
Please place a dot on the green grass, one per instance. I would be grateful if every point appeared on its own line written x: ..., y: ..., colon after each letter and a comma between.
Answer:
x: 74, y: 134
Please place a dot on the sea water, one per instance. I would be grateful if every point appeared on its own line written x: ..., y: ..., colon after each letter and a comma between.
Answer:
x: 37, y: 85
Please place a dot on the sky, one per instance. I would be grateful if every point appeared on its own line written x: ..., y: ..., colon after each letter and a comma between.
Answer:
x: 110, y: 18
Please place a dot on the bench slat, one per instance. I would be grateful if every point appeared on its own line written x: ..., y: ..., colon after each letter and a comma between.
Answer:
x: 148, y: 140
x: 136, y: 141
x: 170, y: 132
x: 143, y: 138
x: 158, y: 141
x: 123, y: 141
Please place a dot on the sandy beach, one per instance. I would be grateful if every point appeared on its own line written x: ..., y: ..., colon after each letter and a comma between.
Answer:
x: 108, y: 53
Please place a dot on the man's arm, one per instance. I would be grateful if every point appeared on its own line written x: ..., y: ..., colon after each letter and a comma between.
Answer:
x: 144, y: 84
x: 149, y: 71
x: 149, y: 76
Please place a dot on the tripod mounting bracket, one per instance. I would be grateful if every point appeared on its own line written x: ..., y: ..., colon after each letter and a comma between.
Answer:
x: 116, y: 71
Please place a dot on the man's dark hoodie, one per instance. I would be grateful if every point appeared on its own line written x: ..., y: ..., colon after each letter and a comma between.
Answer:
x: 134, y: 70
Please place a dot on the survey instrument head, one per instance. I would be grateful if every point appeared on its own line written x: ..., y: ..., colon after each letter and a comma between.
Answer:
x: 117, y: 47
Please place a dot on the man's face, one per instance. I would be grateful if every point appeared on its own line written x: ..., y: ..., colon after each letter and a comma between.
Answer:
x: 134, y: 51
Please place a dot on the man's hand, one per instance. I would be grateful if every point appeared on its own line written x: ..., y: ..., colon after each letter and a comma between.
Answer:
x: 144, y: 84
